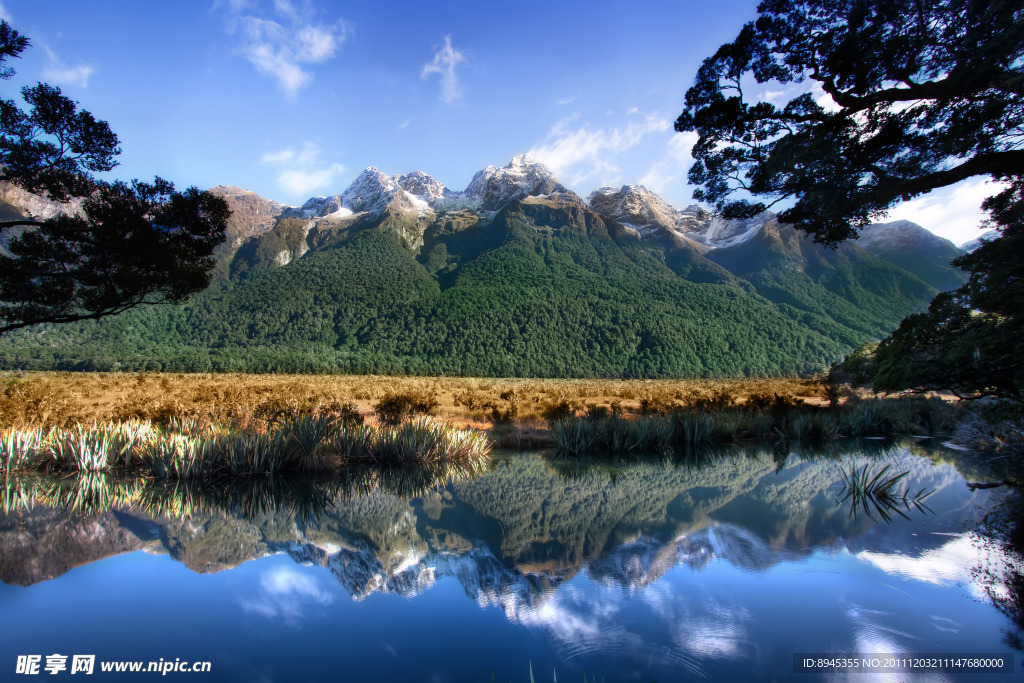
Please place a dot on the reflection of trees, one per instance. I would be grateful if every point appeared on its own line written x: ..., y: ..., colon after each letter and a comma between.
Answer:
x: 1002, y: 573
x: 626, y: 520
x: 249, y: 498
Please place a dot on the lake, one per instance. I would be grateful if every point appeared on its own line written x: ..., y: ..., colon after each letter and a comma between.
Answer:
x: 719, y: 565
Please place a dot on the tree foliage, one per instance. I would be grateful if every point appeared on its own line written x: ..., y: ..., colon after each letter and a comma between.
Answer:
x: 127, y: 244
x: 907, y: 96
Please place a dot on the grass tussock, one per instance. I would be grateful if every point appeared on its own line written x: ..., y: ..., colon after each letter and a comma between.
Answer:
x: 192, y: 448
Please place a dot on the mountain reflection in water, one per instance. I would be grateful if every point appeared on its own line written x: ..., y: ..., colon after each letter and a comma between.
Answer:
x: 713, y: 564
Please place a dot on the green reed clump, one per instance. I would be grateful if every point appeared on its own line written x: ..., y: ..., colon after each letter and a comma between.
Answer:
x: 351, y: 441
x: 691, y: 428
x: 425, y: 441
x: 82, y: 448
x: 611, y: 434
x: 574, y: 434
x: 305, y: 437
x: 768, y: 417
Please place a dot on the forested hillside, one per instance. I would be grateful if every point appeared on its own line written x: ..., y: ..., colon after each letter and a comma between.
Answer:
x: 542, y: 287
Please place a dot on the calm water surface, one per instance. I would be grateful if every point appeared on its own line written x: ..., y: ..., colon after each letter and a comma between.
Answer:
x: 712, y: 567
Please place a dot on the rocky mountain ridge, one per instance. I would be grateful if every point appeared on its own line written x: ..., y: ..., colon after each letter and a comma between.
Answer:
x: 418, y: 195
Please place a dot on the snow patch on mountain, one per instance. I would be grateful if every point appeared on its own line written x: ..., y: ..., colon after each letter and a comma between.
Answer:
x: 315, y: 207
x: 634, y: 206
x: 374, y: 191
x: 728, y: 232
x: 899, y: 235
x: 644, y: 212
x: 418, y: 193
x: 987, y: 236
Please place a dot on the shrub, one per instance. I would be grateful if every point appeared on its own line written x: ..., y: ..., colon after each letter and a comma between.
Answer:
x: 394, y: 408
x: 717, y: 400
x: 559, y: 410
x: 656, y: 405
x: 774, y: 403
x: 345, y: 413
x: 511, y: 398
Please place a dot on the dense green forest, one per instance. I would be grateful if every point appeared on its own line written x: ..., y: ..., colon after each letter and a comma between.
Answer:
x: 544, y: 288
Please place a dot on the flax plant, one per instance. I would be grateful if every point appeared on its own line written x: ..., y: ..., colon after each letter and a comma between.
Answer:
x: 21, y: 448
x: 869, y: 490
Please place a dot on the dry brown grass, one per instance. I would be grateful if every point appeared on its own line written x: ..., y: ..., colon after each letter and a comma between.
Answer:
x: 61, y: 398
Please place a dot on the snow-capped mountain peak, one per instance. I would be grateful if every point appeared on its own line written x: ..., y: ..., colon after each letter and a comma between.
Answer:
x: 422, y: 186
x: 374, y: 191
x: 368, y: 190
x: 634, y: 206
x: 523, y: 177
x: 418, y: 193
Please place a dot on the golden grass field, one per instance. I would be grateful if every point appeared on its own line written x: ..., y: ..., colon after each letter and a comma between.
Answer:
x: 63, y: 398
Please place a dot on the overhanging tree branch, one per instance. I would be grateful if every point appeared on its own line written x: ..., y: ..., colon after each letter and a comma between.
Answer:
x: 127, y: 245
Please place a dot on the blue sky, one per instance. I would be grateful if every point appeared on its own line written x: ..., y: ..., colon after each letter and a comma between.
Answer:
x: 293, y: 98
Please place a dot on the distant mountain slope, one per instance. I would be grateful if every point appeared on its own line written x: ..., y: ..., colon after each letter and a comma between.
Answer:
x: 516, y: 275
x: 845, y: 293
x: 916, y: 250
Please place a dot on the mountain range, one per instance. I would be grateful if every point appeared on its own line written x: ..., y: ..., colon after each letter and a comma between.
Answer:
x: 514, y: 275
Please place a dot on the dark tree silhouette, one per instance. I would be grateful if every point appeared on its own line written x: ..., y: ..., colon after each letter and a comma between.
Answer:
x: 924, y: 93
x: 127, y: 244
x: 908, y: 96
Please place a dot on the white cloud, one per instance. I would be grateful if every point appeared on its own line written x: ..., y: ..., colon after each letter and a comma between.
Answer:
x: 946, y: 565
x: 280, y: 41
x: 281, y: 157
x: 61, y: 74
x: 404, y: 124
x: 69, y: 75
x: 302, y: 171
x: 579, y: 154
x: 445, y: 60
x: 670, y: 171
x: 4, y: 14
x: 562, y: 101
x: 954, y: 213
x: 284, y: 593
